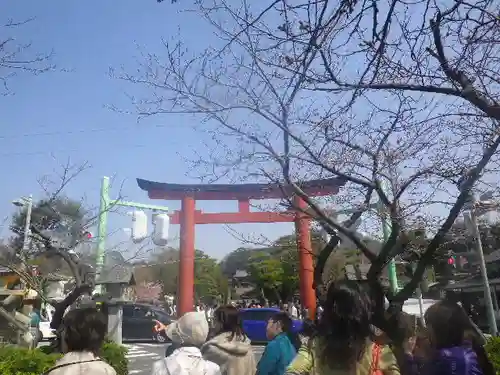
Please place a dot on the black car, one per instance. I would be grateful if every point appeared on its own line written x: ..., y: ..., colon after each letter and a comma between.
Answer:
x: 139, y: 322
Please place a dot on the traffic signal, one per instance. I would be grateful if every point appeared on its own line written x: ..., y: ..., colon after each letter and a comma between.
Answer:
x: 452, y: 261
x: 139, y: 226
x: 161, y: 226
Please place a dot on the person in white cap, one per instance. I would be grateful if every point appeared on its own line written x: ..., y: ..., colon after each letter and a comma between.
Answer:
x: 189, y: 333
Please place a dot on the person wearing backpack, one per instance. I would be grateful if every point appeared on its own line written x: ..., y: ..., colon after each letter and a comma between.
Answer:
x: 342, y: 341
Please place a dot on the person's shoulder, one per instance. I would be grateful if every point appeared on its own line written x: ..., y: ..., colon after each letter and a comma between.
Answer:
x: 285, y: 344
x: 99, y: 367
x: 108, y: 369
x: 302, y: 363
x: 459, y: 354
x: 387, y: 359
x: 385, y: 350
x: 273, y: 345
x: 462, y: 358
x: 212, y: 368
x: 159, y: 367
x: 281, y: 340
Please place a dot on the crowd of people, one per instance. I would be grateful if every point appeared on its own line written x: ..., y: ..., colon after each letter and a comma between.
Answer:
x: 343, y: 341
x: 293, y: 308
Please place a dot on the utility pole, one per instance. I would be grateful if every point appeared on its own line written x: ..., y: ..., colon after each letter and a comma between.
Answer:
x: 102, y: 228
x: 27, y: 224
x: 28, y: 203
x: 471, y: 218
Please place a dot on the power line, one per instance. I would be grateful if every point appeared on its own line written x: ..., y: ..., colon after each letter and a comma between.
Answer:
x: 34, y: 153
x: 81, y: 131
x: 43, y: 134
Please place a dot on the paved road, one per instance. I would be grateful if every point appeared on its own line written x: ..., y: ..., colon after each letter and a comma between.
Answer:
x: 141, y: 356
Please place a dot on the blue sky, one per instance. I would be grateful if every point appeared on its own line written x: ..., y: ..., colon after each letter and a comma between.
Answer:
x: 59, y: 115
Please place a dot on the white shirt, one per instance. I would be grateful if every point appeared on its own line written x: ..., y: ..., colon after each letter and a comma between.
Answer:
x: 293, y: 311
x: 185, y: 361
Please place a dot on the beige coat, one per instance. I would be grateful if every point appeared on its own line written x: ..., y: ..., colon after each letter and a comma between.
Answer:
x: 81, y: 363
x: 235, y: 357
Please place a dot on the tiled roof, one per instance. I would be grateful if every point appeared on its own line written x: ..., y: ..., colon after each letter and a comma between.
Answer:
x: 244, y: 191
x: 240, y: 273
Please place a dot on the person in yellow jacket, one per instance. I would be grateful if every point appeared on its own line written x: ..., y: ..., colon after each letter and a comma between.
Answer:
x: 342, y: 344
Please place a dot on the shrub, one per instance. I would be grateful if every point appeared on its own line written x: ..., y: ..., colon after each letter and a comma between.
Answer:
x: 115, y: 355
x: 21, y: 361
x: 493, y: 349
x: 46, y: 349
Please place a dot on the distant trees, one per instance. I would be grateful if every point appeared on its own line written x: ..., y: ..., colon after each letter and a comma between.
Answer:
x: 60, y: 215
x: 274, y: 270
x: 236, y: 260
x: 209, y: 283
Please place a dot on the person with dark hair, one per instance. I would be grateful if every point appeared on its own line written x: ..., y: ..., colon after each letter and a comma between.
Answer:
x: 280, y: 350
x: 448, y: 327
x: 82, y: 335
x: 342, y: 343
x: 230, y: 348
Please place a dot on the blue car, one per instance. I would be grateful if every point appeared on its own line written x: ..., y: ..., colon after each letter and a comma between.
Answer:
x: 255, y: 322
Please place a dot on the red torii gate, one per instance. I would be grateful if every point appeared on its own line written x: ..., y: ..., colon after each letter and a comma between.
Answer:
x: 188, y: 217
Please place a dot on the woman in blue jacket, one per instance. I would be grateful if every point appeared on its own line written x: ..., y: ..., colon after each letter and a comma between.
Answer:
x: 281, y: 350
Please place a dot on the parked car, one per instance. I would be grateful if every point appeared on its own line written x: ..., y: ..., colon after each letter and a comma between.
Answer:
x: 255, y: 323
x: 139, y: 321
x: 46, y: 333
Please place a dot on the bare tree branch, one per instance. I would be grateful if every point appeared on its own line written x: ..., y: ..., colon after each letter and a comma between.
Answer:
x: 18, y: 57
x: 398, y: 100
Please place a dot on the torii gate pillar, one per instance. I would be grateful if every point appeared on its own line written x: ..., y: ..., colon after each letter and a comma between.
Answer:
x: 306, y: 264
x: 185, y: 295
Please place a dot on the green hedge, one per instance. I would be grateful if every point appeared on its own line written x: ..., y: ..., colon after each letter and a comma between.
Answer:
x: 493, y: 350
x: 20, y: 361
